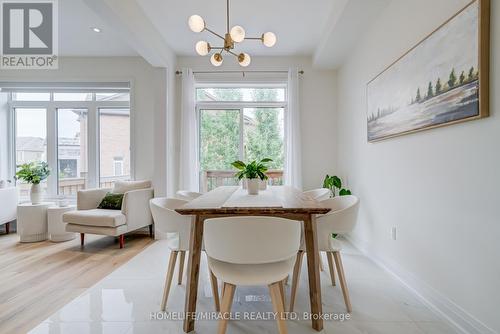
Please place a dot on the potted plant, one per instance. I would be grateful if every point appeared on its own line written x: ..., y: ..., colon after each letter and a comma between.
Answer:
x: 33, y: 173
x: 334, y: 182
x: 253, y: 172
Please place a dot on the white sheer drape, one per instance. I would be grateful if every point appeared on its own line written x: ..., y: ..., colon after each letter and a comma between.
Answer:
x: 189, y: 158
x: 293, y: 157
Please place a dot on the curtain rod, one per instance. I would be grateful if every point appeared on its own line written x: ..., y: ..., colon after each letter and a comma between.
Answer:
x: 242, y: 72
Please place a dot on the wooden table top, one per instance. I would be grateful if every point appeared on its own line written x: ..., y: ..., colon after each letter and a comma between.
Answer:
x: 291, y: 201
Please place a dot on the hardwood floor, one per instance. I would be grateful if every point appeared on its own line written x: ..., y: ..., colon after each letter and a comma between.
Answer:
x: 36, y: 279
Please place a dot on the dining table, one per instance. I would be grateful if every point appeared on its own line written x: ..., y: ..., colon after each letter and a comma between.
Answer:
x: 276, y: 201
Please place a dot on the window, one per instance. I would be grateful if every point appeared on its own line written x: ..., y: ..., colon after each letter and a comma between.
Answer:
x: 239, y: 123
x: 114, y: 145
x: 72, y: 150
x: 30, y: 141
x: 84, y: 136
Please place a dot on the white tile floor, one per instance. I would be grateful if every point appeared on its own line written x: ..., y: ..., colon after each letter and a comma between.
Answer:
x: 123, y: 303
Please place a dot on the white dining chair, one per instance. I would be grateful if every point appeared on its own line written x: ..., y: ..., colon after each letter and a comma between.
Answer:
x: 340, y: 220
x: 319, y: 194
x: 177, y: 227
x: 251, y: 251
x: 187, y: 195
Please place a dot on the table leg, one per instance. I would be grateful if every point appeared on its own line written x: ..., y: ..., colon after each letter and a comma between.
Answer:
x: 313, y: 271
x: 194, y: 257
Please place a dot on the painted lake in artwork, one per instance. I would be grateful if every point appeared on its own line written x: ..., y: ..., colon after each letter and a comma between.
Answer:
x: 435, y: 83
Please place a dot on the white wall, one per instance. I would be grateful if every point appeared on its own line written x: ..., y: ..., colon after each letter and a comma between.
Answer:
x: 440, y: 188
x: 317, y: 106
x: 4, y: 138
x: 149, y: 101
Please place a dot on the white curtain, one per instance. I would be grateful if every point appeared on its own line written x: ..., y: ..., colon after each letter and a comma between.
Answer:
x: 189, y: 158
x: 293, y: 158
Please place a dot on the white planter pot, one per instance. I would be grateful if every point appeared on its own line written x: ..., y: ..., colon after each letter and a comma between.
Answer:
x: 36, y: 194
x: 253, y: 186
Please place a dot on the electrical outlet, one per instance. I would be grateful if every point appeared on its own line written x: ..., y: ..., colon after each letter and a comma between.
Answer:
x: 394, y: 233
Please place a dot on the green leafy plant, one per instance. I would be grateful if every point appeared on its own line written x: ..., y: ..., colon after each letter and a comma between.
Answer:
x: 33, y: 172
x: 252, y: 170
x: 333, y: 183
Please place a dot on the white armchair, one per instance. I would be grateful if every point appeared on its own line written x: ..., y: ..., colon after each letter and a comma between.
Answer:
x: 8, y: 207
x: 134, y: 214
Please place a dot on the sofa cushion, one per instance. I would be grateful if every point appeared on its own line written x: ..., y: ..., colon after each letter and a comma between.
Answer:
x: 95, y: 217
x: 122, y: 187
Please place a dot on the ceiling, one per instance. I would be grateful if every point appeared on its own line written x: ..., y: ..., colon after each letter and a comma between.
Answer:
x: 76, y: 37
x: 157, y: 30
x: 298, y: 24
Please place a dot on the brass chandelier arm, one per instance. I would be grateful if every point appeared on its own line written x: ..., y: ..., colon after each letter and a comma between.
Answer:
x: 213, y: 32
x: 231, y: 52
x: 227, y: 16
x: 254, y: 38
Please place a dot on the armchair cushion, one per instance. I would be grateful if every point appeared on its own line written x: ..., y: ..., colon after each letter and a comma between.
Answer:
x: 122, y: 187
x: 95, y: 217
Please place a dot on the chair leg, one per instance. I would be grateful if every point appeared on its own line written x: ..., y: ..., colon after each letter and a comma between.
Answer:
x: 277, y: 299
x: 295, y: 279
x: 168, y: 279
x: 225, y: 307
x: 215, y: 291
x: 321, y: 267
x: 343, y: 283
x: 329, y: 256
x: 151, y: 231
x: 82, y: 239
x: 122, y: 240
x: 282, y: 292
x: 7, y: 228
x: 181, y: 266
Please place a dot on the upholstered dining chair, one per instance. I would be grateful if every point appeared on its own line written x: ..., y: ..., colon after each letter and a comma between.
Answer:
x: 187, y: 195
x: 177, y: 227
x: 236, y: 258
x: 319, y: 194
x: 340, y: 220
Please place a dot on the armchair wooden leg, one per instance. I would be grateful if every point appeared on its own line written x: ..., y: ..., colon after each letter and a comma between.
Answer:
x: 181, y: 266
x: 343, y: 283
x: 225, y: 307
x: 329, y: 256
x: 282, y: 292
x: 82, y: 239
x: 122, y: 240
x: 7, y: 228
x: 295, y: 279
x: 277, y: 299
x: 151, y: 231
x: 215, y: 291
x: 168, y: 279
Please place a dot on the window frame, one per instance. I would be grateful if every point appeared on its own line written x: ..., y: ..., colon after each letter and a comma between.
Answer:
x: 237, y: 105
x: 51, y: 108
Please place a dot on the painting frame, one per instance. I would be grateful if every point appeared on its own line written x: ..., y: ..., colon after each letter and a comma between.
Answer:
x: 483, y: 52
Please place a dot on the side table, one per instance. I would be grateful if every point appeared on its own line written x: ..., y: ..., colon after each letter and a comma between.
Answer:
x: 32, y: 221
x: 57, y: 228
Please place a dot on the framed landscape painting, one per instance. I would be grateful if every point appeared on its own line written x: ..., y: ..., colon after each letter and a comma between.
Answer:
x: 442, y: 80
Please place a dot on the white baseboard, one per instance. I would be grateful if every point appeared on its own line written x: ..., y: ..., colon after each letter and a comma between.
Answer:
x: 457, y: 317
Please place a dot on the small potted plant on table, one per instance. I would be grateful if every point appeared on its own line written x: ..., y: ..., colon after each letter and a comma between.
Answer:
x: 33, y: 173
x: 254, y: 172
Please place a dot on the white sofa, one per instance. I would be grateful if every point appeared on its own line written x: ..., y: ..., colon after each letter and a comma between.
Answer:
x: 134, y: 214
x: 8, y: 206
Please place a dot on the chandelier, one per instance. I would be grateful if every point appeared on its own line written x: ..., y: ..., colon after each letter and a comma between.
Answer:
x: 232, y: 36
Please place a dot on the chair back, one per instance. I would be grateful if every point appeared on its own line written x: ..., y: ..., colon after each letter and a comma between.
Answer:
x: 340, y: 220
x: 319, y: 194
x: 167, y: 220
x: 187, y: 195
x: 251, y: 240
